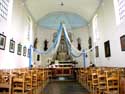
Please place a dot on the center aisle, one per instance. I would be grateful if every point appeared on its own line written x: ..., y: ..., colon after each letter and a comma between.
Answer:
x: 64, y: 87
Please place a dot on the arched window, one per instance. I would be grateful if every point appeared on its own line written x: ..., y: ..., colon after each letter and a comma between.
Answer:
x: 95, y: 29
x: 29, y: 29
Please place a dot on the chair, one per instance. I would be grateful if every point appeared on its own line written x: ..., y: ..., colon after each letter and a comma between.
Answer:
x: 94, y: 73
x: 112, y: 82
x: 18, y: 83
x: 101, y: 81
x: 28, y: 81
x: 5, y: 81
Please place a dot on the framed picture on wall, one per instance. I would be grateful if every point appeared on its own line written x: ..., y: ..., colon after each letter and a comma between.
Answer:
x: 24, y: 51
x: 2, y: 41
x: 38, y: 57
x: 122, y: 40
x: 97, y: 51
x: 28, y: 53
x: 19, y: 49
x: 12, y: 46
x: 107, y: 48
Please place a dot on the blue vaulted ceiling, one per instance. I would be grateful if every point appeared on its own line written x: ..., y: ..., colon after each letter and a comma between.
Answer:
x: 71, y: 20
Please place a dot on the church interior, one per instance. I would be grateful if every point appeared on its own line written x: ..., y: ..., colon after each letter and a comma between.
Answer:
x: 62, y: 46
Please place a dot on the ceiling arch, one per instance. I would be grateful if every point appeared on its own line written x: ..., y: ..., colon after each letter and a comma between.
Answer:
x: 40, y: 8
x: 72, y: 20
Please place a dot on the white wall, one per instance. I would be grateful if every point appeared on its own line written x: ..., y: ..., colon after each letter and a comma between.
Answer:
x: 83, y: 34
x: 42, y: 35
x: 108, y: 30
x: 16, y: 28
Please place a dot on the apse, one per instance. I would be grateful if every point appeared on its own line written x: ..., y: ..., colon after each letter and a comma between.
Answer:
x: 71, y: 20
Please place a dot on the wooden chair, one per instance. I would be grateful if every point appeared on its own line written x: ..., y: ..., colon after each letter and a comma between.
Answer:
x: 89, y: 79
x: 34, y: 79
x: 5, y: 81
x: 28, y: 81
x: 122, y: 80
x: 112, y: 82
x: 18, y: 83
x: 101, y: 81
x: 94, y: 73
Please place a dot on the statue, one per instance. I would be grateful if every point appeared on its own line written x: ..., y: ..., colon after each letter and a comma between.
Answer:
x: 45, y: 45
x: 62, y: 51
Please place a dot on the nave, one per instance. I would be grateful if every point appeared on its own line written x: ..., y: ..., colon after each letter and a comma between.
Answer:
x: 75, y: 45
x: 91, y: 80
x: 64, y: 87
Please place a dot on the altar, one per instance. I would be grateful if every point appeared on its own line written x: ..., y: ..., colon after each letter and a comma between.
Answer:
x: 62, y: 62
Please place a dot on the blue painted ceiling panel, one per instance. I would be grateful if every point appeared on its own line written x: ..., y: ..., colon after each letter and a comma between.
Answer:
x: 72, y: 20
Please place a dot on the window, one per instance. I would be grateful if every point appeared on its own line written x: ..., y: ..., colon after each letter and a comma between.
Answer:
x: 121, y: 4
x: 4, y: 5
x: 95, y: 29
x: 28, y: 34
x: 29, y: 29
x: 119, y: 10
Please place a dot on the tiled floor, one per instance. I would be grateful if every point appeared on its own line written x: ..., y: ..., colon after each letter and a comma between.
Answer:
x: 64, y: 87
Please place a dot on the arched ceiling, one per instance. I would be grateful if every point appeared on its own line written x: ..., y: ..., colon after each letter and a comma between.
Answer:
x: 71, y: 20
x: 40, y: 8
